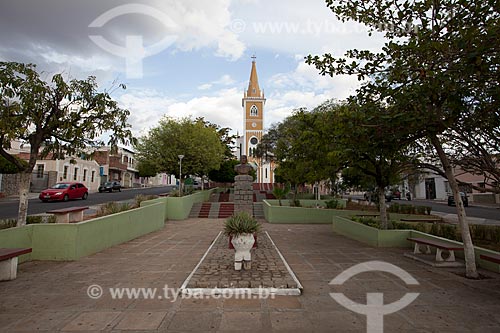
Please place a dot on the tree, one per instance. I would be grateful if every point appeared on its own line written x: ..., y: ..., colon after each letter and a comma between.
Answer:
x: 299, y: 147
x: 438, y: 68
x: 226, y: 172
x: 57, y: 118
x: 200, y: 144
x: 281, y: 192
x: 366, y: 142
x: 227, y: 140
x: 146, y: 169
x: 7, y: 167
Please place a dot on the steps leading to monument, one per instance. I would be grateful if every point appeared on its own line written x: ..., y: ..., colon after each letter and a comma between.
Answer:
x: 195, y: 210
x: 221, y: 205
x: 205, y: 210
x: 226, y: 210
x: 258, y: 210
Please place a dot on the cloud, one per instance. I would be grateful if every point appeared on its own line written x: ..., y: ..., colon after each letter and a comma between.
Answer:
x: 56, y: 32
x: 224, y: 80
x: 299, y: 27
x: 302, y: 87
x: 148, y: 107
x: 205, y: 86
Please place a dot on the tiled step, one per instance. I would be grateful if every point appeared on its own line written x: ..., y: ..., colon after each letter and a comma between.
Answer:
x: 195, y: 210
x: 226, y: 210
x: 205, y: 210
x: 258, y: 210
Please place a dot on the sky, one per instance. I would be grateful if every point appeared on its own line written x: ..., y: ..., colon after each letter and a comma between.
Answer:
x: 186, y: 58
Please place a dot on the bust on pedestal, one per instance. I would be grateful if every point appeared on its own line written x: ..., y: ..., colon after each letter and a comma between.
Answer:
x: 243, y: 192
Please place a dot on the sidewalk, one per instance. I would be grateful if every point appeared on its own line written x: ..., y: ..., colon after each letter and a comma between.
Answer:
x: 52, y: 296
x: 453, y: 218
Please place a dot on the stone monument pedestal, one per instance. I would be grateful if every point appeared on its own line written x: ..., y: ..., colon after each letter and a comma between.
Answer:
x: 243, y: 194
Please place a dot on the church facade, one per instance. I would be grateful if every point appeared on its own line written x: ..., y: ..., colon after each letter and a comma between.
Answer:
x: 253, y: 103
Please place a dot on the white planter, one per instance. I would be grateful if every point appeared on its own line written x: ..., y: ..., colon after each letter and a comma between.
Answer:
x: 242, y: 245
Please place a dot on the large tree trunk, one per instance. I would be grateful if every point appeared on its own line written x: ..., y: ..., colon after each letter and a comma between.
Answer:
x: 470, y: 258
x: 382, y: 208
x: 24, y: 188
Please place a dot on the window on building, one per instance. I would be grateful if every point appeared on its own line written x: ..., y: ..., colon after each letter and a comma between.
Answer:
x: 84, y: 175
x: 266, y: 173
x: 75, y: 175
x: 254, y: 112
x: 39, y: 170
x: 92, y: 177
x: 65, y: 172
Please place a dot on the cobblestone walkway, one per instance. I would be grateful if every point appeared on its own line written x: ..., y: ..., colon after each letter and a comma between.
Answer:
x: 53, y: 296
x: 217, y: 269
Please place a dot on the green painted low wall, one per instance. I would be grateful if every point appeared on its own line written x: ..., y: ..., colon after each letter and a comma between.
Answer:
x: 76, y: 240
x: 274, y: 213
x: 18, y: 237
x: 370, y: 235
x: 178, y: 208
x: 306, y: 203
x: 397, y: 238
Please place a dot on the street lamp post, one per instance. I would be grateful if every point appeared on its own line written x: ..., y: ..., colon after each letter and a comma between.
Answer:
x: 180, y: 174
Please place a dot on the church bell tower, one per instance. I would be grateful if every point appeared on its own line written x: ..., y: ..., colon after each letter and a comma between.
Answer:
x: 253, y: 123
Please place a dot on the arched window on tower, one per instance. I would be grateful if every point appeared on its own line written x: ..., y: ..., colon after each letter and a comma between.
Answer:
x: 254, y: 112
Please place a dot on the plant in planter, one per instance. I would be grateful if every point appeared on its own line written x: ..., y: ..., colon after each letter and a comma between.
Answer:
x: 241, y: 228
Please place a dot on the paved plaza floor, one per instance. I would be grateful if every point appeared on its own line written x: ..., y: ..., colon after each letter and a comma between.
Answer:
x: 54, y: 296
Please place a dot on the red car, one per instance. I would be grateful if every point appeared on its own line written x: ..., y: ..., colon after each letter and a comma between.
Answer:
x: 64, y: 192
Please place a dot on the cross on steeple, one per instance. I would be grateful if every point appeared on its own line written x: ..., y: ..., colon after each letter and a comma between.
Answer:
x: 253, y: 58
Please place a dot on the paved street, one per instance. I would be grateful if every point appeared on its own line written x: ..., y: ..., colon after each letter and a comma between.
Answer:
x: 9, y: 206
x: 52, y: 296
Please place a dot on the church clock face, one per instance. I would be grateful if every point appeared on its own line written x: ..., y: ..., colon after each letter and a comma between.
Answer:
x: 253, y: 141
x: 254, y: 124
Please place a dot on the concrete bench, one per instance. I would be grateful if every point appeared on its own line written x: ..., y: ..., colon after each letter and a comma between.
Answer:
x: 439, y: 245
x: 491, y: 257
x: 8, y: 262
x: 68, y: 215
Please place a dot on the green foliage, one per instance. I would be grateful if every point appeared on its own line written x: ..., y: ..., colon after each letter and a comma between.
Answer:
x: 241, y: 223
x: 226, y: 172
x: 369, y: 221
x: 42, y: 114
x: 200, y: 144
x: 174, y: 193
x: 143, y: 197
x: 295, y: 203
x: 146, y: 168
x: 409, y: 209
x: 110, y: 208
x: 225, y: 138
x: 60, y: 117
x: 6, y: 224
x: 31, y: 219
x: 7, y: 167
x: 301, y: 147
x: 281, y: 192
x: 332, y: 204
x: 488, y: 233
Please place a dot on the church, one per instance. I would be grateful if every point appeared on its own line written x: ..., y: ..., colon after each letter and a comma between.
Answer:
x: 253, y: 104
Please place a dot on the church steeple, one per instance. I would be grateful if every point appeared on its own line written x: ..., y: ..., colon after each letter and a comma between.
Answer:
x: 253, y: 85
x: 253, y: 103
